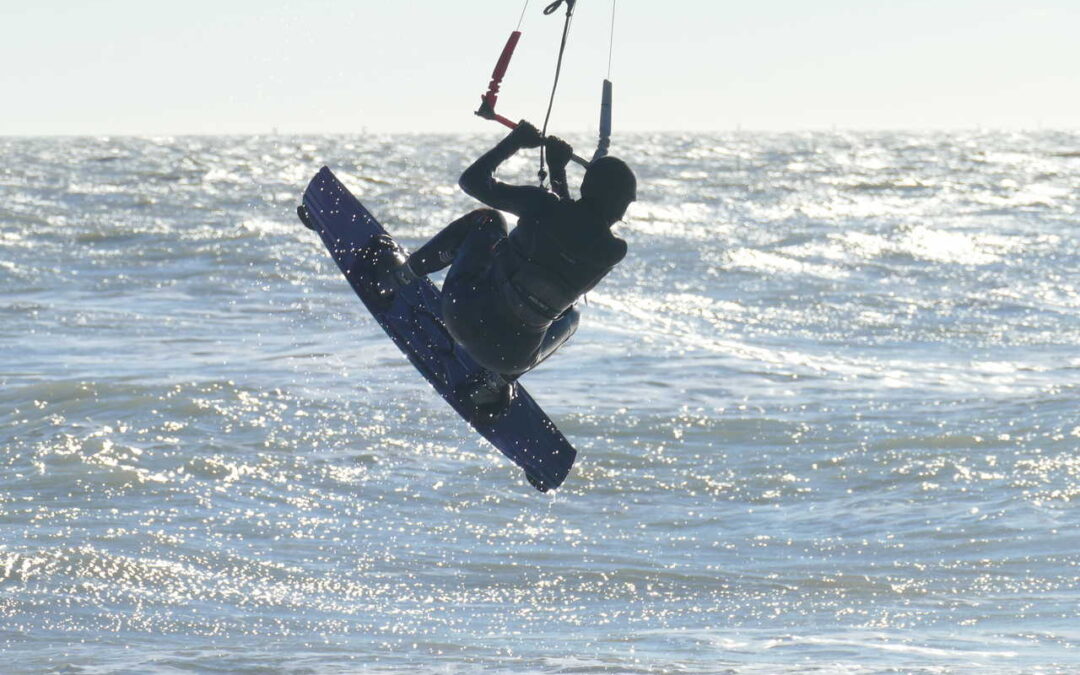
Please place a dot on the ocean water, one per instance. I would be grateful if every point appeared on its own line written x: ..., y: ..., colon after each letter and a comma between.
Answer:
x: 826, y: 413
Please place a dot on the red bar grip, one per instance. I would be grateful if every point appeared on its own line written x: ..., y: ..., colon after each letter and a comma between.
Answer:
x: 510, y: 124
x: 492, y: 94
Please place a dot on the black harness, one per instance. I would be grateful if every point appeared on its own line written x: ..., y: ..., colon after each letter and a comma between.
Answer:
x: 539, y: 292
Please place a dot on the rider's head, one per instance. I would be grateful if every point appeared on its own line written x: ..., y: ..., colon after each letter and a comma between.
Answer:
x: 609, y: 185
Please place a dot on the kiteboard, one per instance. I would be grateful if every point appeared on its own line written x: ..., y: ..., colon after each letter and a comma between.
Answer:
x: 413, y: 320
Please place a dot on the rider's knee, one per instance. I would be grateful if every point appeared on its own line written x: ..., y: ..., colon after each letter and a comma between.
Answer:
x: 486, y: 219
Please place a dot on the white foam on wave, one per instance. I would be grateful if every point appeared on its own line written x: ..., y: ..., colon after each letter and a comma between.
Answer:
x: 883, y: 642
x: 947, y: 247
x: 271, y: 227
x: 778, y: 263
x: 920, y: 242
x: 695, y: 221
x: 674, y: 321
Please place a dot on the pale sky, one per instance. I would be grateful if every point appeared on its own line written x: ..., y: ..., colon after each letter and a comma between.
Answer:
x: 346, y: 66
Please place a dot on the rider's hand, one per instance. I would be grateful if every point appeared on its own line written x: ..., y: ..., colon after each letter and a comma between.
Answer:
x: 558, y: 151
x: 526, y: 135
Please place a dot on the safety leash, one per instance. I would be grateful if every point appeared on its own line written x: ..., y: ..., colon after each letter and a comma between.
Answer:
x: 551, y: 9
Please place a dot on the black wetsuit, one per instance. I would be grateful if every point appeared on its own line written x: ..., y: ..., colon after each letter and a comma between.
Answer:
x: 508, y: 298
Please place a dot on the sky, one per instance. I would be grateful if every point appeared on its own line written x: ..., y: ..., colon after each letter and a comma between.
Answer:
x: 353, y: 66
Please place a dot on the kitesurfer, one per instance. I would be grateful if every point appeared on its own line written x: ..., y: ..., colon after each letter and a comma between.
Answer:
x: 509, y: 297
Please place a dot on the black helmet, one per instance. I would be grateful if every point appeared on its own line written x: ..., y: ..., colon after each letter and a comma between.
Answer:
x: 610, y: 184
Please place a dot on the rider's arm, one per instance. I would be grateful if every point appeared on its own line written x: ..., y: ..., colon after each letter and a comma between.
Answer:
x: 479, y: 179
x: 558, y: 183
x: 558, y: 153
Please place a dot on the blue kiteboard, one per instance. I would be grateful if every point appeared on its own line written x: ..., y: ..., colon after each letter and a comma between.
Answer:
x: 413, y: 320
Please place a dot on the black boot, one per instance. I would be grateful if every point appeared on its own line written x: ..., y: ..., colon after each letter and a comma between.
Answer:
x: 489, y: 396
x: 386, y: 270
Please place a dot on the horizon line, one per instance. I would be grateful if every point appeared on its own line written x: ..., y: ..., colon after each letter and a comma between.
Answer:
x: 728, y: 130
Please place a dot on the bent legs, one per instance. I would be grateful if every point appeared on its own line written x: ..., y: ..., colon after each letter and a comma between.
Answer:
x: 560, y: 330
x: 443, y: 248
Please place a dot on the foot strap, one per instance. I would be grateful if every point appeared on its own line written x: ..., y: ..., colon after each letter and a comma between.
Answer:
x: 405, y: 275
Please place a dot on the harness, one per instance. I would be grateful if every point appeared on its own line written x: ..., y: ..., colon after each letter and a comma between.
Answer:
x: 539, y: 293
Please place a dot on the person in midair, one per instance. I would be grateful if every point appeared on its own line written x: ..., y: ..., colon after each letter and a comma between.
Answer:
x: 509, y: 296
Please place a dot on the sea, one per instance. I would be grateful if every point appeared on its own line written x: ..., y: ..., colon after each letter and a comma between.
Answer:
x: 827, y: 415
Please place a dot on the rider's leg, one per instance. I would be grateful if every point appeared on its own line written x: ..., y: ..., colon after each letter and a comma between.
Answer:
x: 560, y: 330
x: 443, y: 248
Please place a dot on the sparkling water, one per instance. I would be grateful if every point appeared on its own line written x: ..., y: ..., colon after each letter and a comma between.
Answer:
x: 826, y: 413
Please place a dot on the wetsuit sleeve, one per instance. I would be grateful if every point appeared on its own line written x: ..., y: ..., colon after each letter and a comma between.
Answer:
x: 558, y: 182
x: 558, y: 154
x: 479, y: 181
